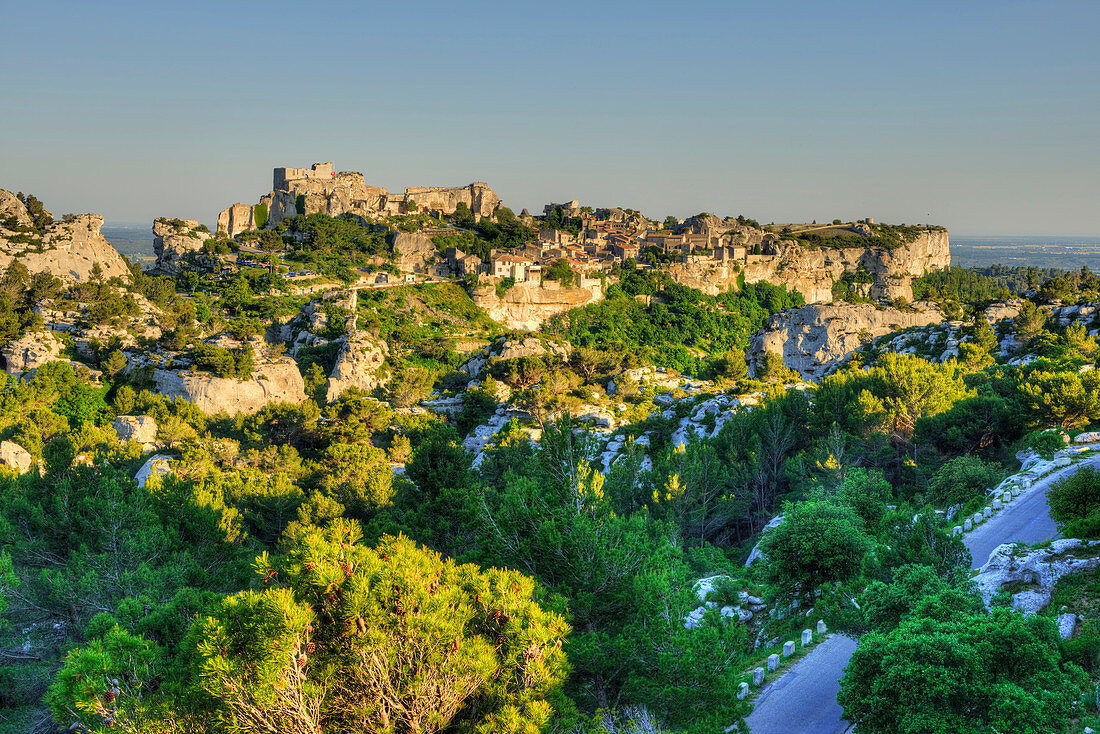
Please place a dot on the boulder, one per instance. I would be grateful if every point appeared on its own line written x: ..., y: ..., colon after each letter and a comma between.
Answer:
x: 357, y: 364
x: 15, y: 456
x: 278, y: 382
x: 140, y: 428
x: 1066, y: 625
x: 31, y: 351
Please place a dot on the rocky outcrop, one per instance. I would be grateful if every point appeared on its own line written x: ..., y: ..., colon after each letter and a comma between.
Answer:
x: 174, y: 240
x: 511, y: 348
x: 812, y: 271
x: 70, y: 249
x: 236, y: 219
x: 140, y: 428
x: 12, y: 210
x: 15, y: 456
x: 31, y: 351
x: 279, y: 382
x: 814, y: 339
x: 528, y: 305
x: 1038, y: 568
x: 481, y: 199
x: 413, y: 251
x: 357, y: 364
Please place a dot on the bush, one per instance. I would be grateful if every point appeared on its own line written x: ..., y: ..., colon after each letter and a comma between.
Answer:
x: 963, y: 479
x: 1075, y: 503
x: 224, y: 362
x: 1045, y: 443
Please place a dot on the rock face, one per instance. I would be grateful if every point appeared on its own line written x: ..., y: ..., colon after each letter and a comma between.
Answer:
x: 481, y: 199
x: 68, y: 249
x: 236, y: 219
x: 413, y: 251
x: 1041, y: 568
x: 357, y: 364
x: 528, y: 305
x: 280, y: 382
x: 173, y: 240
x: 814, y: 339
x: 321, y: 189
x: 33, y: 350
x: 15, y: 456
x: 812, y: 271
x: 140, y: 428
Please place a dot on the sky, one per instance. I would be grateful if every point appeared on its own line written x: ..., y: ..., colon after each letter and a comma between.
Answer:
x: 980, y: 116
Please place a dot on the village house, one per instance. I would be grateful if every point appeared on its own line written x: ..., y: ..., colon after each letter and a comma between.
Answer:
x: 507, y: 265
x: 460, y: 263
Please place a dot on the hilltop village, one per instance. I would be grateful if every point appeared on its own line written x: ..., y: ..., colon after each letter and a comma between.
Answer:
x: 706, y: 250
x: 621, y: 472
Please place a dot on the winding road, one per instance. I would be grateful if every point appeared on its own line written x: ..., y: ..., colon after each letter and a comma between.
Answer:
x: 803, y: 700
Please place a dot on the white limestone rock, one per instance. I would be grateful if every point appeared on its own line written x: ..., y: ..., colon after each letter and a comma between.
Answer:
x: 140, y: 428
x: 157, y: 465
x: 31, y: 351
x: 357, y: 365
x: 1040, y: 567
x: 278, y: 382
x: 15, y: 456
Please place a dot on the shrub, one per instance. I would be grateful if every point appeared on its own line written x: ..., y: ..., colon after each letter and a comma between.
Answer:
x: 1075, y: 503
x: 962, y: 479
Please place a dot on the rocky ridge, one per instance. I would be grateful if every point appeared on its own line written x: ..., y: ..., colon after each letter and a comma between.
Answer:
x: 813, y: 271
x: 69, y: 249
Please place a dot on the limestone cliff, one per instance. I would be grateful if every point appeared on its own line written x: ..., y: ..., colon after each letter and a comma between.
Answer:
x: 280, y: 382
x: 814, y: 339
x: 69, y: 249
x: 812, y: 271
x: 321, y: 189
x: 527, y: 305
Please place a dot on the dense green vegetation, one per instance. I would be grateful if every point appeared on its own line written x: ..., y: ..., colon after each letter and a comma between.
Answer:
x: 680, y: 327
x: 285, y: 578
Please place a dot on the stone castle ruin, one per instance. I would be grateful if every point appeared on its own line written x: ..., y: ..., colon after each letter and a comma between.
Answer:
x: 322, y: 189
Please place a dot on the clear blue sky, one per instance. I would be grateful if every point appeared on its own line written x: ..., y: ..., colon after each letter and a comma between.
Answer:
x: 982, y: 116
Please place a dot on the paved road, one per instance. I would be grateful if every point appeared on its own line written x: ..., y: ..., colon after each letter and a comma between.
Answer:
x: 1027, y: 520
x: 803, y: 700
